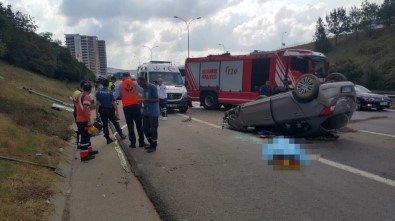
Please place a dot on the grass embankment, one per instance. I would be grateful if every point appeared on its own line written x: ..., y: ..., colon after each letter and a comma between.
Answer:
x: 364, y: 59
x: 362, y: 48
x: 29, y: 130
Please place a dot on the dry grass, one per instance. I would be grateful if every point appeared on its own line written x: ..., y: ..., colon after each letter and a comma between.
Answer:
x: 29, y: 130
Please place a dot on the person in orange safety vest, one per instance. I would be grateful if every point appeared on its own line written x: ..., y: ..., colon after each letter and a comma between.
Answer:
x: 84, y: 121
x: 129, y: 92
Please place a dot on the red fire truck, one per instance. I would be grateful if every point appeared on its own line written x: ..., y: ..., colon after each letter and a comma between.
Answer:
x: 229, y: 80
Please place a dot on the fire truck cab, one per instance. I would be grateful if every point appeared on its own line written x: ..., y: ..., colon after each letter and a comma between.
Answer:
x: 229, y: 80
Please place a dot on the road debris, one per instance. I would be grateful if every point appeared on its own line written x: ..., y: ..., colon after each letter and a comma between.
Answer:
x: 57, y: 170
x: 187, y: 120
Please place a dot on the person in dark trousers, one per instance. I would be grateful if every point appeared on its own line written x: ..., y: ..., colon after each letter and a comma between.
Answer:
x: 84, y: 121
x: 129, y: 91
x: 75, y: 102
x: 107, y: 110
x: 150, y: 113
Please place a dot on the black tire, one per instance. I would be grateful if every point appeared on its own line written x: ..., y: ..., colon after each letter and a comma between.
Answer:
x: 359, y: 105
x: 380, y: 109
x: 210, y: 101
x: 335, y: 77
x: 183, y: 109
x: 306, y: 88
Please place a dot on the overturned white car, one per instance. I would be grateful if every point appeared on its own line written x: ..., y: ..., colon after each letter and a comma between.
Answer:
x: 311, y: 109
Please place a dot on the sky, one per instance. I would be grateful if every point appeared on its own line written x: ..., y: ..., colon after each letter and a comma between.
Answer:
x: 133, y: 28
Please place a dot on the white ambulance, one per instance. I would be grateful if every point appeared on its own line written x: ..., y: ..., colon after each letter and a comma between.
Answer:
x: 171, y: 77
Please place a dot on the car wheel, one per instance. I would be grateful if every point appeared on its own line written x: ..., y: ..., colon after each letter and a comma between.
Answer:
x: 306, y: 88
x: 359, y: 105
x: 335, y: 77
x: 183, y: 109
x: 210, y: 101
x: 380, y: 109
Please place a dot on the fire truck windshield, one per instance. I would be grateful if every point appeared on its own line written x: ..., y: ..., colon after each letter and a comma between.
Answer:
x: 168, y: 78
x: 319, y: 66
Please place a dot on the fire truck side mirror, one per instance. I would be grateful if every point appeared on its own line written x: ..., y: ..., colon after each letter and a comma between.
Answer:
x: 186, y: 83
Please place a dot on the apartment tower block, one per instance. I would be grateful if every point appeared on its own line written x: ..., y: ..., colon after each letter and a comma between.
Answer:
x: 88, y: 50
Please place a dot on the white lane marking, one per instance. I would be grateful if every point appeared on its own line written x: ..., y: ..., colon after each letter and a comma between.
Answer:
x: 357, y: 171
x: 121, y: 157
x: 201, y: 121
x: 353, y: 170
x: 375, y: 133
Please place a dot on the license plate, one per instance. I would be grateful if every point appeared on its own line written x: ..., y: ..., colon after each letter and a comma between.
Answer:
x: 171, y: 105
x: 383, y: 103
x: 347, y: 89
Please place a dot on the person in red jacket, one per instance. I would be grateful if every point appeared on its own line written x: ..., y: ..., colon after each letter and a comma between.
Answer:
x: 84, y: 121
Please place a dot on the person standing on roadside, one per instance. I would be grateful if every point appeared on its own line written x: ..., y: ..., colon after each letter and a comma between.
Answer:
x: 150, y: 113
x: 111, y: 85
x: 162, y: 94
x: 129, y: 92
x: 107, y: 110
x: 84, y: 121
x: 75, y: 102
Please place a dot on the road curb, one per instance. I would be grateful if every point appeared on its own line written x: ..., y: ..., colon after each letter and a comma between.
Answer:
x: 159, y: 205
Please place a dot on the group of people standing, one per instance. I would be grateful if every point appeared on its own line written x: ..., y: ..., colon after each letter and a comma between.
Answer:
x: 140, y: 103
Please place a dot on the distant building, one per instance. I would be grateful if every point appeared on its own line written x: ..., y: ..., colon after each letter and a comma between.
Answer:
x: 102, y: 57
x: 88, y: 50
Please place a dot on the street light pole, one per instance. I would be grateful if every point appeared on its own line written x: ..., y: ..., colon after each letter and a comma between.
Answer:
x: 282, y: 39
x: 222, y: 46
x: 187, y: 23
x: 150, y: 49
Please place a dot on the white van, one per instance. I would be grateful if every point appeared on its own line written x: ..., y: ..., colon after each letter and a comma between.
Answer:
x: 171, y: 76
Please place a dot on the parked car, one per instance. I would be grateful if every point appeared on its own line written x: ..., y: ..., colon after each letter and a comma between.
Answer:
x: 311, y: 109
x: 368, y: 100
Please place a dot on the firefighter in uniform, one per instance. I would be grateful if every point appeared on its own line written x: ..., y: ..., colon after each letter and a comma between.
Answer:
x: 129, y: 92
x: 84, y: 121
x: 74, y: 98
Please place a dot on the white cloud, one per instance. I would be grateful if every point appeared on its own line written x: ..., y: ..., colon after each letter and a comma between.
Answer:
x: 126, y: 25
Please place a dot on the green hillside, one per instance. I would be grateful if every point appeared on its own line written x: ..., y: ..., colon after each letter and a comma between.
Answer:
x: 31, y: 131
x: 365, y: 60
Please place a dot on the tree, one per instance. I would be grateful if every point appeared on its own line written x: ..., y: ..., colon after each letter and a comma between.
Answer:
x: 24, y: 22
x: 369, y: 16
x: 322, y: 42
x: 3, y: 48
x: 21, y: 46
x: 386, y: 13
x: 338, y: 22
x: 355, y: 18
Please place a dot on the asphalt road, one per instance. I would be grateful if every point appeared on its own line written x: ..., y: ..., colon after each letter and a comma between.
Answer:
x: 203, y: 172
